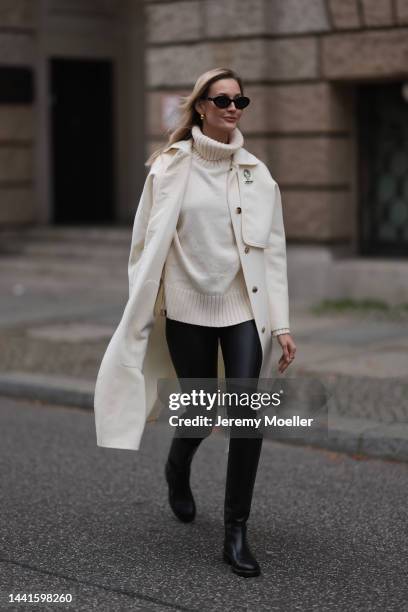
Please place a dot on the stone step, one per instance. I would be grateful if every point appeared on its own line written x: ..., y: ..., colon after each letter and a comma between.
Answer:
x: 66, y: 241
x: 67, y: 250
x: 75, y: 233
x: 63, y: 267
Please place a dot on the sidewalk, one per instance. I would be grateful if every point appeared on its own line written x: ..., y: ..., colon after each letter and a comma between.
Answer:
x: 63, y: 291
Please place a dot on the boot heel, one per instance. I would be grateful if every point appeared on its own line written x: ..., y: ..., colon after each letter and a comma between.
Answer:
x: 246, y: 573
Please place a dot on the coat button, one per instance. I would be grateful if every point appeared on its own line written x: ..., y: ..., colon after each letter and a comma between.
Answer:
x: 246, y: 250
x: 238, y: 210
x: 263, y: 330
x: 254, y: 289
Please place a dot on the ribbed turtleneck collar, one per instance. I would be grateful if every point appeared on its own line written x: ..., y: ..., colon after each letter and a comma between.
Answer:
x: 212, y: 150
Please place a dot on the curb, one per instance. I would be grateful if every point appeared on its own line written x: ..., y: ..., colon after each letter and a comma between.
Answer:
x: 347, y: 435
x: 64, y: 390
x: 353, y: 436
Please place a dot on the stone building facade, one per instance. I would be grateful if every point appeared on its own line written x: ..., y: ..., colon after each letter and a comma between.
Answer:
x: 324, y: 77
x: 328, y: 80
x: 72, y: 128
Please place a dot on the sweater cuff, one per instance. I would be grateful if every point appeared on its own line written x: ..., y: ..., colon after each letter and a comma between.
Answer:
x: 281, y: 330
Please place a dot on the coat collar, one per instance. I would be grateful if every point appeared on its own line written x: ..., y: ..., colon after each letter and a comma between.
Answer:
x: 242, y: 156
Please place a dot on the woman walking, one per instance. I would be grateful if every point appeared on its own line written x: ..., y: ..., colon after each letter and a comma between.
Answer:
x: 223, y: 280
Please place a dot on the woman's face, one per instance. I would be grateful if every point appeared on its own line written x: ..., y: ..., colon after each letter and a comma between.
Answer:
x: 220, y: 120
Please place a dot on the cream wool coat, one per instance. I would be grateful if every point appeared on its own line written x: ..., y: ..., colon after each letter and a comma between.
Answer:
x: 137, y: 354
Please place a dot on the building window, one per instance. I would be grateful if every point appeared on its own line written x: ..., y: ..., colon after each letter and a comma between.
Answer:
x: 383, y: 169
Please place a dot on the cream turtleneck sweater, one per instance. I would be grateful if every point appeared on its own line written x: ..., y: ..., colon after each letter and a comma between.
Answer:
x: 203, y: 279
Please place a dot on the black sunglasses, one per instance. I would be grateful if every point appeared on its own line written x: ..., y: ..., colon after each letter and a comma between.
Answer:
x: 224, y: 101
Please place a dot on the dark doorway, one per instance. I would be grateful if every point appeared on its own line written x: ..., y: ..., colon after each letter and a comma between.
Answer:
x: 383, y: 147
x: 82, y: 156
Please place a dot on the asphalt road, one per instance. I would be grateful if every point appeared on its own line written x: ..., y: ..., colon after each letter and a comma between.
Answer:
x: 329, y: 530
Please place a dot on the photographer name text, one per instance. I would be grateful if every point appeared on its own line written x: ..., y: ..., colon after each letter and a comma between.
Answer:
x: 256, y: 422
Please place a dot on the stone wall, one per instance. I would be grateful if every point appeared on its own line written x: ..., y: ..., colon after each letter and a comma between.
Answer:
x: 300, y: 61
x: 31, y: 33
x: 17, y: 50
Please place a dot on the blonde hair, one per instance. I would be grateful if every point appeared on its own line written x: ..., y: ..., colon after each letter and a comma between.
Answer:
x: 188, y: 116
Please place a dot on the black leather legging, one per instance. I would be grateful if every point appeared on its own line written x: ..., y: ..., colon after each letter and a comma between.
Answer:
x: 194, y: 351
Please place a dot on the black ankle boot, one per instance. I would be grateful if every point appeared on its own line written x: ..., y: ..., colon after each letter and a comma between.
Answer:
x: 177, y: 472
x: 236, y: 551
x: 243, y: 458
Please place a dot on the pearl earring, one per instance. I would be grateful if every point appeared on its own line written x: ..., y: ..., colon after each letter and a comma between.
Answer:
x: 201, y: 117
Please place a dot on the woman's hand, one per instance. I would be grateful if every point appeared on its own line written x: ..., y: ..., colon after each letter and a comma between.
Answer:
x: 288, y: 351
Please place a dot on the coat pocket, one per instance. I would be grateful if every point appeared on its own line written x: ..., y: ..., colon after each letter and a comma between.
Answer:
x: 257, y: 223
x: 257, y: 203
